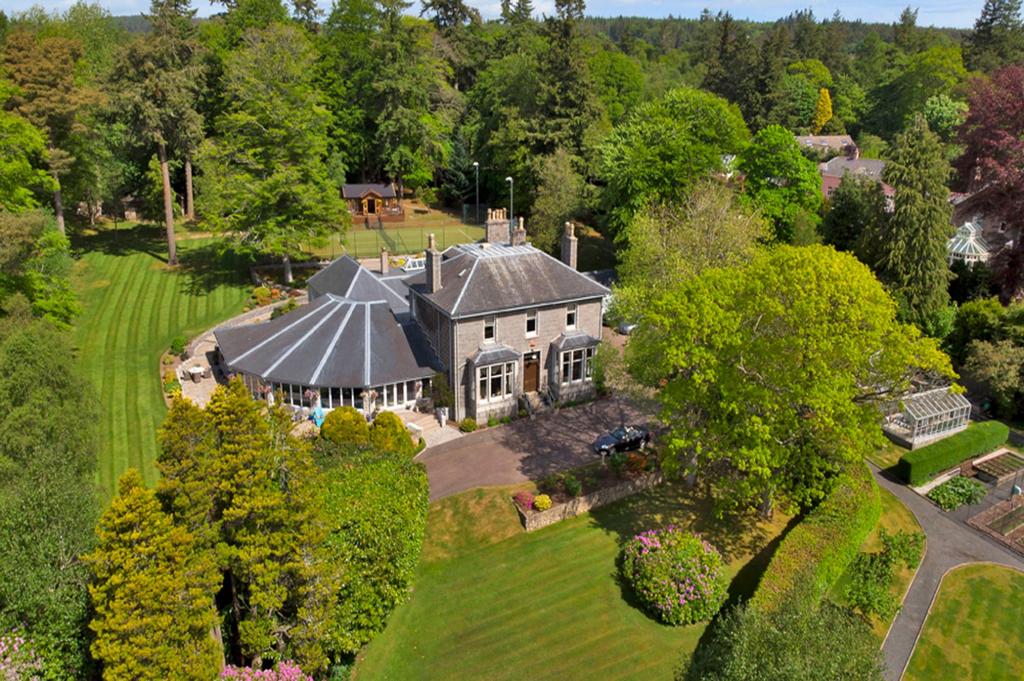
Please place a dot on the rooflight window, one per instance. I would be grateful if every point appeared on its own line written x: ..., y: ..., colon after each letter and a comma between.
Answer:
x: 489, y: 329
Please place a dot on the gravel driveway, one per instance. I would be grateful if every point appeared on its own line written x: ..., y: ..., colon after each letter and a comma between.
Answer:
x: 524, y: 449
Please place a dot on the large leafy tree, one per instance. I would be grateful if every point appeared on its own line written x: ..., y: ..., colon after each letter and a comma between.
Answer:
x: 780, y: 180
x: 156, y: 80
x: 49, y: 97
x: 22, y: 145
x: 560, y: 196
x: 265, y: 181
x: 664, y: 147
x: 997, y: 38
x: 769, y: 374
x: 710, y: 228
x: 35, y: 262
x: 48, y: 500
x: 993, y: 161
x: 855, y: 218
x: 913, y: 263
x: 151, y: 592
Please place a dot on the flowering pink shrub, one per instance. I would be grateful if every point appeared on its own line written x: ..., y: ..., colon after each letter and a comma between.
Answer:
x: 283, y: 671
x: 676, y: 575
x: 524, y: 500
x: 18, y: 661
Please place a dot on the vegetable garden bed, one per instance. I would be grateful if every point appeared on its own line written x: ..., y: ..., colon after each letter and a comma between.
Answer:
x: 1000, y: 468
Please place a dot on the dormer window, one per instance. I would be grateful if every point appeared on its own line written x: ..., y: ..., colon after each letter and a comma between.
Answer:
x: 531, y: 323
x: 489, y: 329
x: 570, y: 316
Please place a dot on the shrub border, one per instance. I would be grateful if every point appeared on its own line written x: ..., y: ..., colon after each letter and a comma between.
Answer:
x: 920, y: 465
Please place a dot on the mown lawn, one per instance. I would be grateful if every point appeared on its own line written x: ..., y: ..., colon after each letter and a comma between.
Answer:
x: 974, y: 630
x: 398, y: 238
x: 492, y: 602
x: 133, y: 306
x: 895, y: 517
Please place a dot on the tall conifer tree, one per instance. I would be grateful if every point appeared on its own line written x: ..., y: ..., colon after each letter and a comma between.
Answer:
x: 914, y: 263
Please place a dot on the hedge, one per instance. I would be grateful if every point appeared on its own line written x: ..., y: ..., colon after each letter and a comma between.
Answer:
x: 818, y: 550
x: 922, y: 464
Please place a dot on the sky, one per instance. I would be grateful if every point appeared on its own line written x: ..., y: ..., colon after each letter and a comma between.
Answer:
x: 946, y: 13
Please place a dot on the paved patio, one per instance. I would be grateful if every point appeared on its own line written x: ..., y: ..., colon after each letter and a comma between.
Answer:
x: 524, y: 449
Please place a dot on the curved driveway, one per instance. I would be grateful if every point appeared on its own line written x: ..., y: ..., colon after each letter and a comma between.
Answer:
x: 524, y: 449
x: 950, y: 543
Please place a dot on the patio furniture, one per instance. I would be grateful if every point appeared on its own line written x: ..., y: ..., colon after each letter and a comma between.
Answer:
x: 196, y: 373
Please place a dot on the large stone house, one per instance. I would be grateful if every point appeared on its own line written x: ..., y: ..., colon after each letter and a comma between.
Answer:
x: 500, y: 318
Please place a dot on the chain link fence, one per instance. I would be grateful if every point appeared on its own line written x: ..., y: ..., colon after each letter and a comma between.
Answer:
x: 367, y: 243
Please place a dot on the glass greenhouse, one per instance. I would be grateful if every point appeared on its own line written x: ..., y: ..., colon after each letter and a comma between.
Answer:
x: 928, y: 416
x: 968, y: 246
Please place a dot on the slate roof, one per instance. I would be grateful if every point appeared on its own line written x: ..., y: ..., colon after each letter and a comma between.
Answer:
x: 574, y: 340
x: 358, y: 191
x: 485, y: 278
x: 346, y: 278
x: 329, y: 342
x: 841, y: 165
x: 838, y: 142
x: 494, y: 353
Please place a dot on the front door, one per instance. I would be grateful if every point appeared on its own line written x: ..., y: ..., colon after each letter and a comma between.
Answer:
x: 371, y: 206
x: 531, y: 374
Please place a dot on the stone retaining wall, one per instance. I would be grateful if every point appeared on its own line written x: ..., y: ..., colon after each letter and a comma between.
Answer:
x: 534, y: 520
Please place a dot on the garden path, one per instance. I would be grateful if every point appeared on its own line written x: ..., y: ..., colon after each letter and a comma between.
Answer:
x: 950, y: 543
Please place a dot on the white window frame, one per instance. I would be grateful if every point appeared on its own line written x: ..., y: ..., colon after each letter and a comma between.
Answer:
x: 505, y: 373
x: 571, y: 312
x: 531, y: 315
x: 492, y: 323
x: 567, y: 359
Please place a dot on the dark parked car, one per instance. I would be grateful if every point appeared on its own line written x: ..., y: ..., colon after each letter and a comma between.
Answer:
x: 622, y: 439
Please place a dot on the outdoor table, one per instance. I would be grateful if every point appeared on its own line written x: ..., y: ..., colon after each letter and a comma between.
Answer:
x: 196, y: 373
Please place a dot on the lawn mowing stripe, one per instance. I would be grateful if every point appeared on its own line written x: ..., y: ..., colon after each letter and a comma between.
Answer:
x: 150, y: 405
x: 139, y: 320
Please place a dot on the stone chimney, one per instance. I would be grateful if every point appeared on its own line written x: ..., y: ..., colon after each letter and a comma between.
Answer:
x: 433, y: 266
x: 497, y: 226
x: 385, y: 261
x: 569, y: 245
x: 519, y: 234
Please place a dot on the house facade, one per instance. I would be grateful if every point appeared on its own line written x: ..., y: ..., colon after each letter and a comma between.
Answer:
x: 506, y: 319
x: 833, y: 171
x: 500, y: 318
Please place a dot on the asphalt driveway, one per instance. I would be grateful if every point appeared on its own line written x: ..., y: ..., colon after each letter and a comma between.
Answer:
x: 524, y: 449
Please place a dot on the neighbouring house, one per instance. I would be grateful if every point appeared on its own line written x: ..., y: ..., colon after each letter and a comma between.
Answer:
x: 926, y: 416
x: 968, y: 245
x: 378, y: 202
x: 833, y: 171
x: 500, y: 318
x: 827, y: 146
x: 970, y: 208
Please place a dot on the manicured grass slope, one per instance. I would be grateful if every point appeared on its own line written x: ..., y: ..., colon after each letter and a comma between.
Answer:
x: 502, y: 604
x: 974, y: 631
x: 133, y: 307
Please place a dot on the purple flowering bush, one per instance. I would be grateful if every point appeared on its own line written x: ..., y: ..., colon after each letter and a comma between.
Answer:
x: 676, y: 575
x: 283, y: 671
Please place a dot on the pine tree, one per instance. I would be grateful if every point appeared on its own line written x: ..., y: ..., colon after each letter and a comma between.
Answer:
x: 914, y: 264
x: 822, y: 110
x: 152, y: 593
x: 997, y: 38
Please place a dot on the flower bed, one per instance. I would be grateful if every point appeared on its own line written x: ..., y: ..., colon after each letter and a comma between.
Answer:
x: 533, y: 518
x: 676, y: 575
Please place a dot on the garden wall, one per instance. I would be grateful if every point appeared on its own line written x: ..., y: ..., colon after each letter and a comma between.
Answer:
x: 817, y: 551
x: 534, y: 520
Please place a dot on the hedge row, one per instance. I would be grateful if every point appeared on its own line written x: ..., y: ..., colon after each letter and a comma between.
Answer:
x: 817, y: 551
x: 980, y: 438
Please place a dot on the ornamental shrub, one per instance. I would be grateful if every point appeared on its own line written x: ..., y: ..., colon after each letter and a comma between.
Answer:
x: 18, y: 658
x: 389, y: 434
x: 282, y: 671
x: 345, y: 426
x: 958, y: 492
x: 524, y: 500
x: 676, y: 575
x: 467, y: 425
x: 542, y: 502
x: 178, y: 344
x: 922, y: 464
x: 572, y: 485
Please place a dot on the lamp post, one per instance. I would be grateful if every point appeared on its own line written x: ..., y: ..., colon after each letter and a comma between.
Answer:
x: 511, y: 201
x: 476, y: 171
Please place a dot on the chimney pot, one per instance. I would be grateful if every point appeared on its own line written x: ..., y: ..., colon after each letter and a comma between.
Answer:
x: 433, y: 266
x: 569, y: 245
